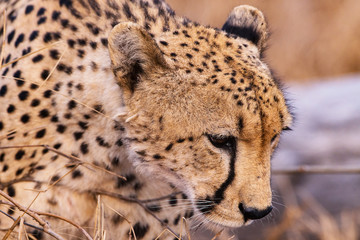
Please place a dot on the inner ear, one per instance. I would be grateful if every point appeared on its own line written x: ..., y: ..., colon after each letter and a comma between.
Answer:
x: 249, y: 23
x: 134, y: 54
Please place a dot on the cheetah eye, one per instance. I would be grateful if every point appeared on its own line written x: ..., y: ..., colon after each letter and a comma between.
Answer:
x: 219, y: 141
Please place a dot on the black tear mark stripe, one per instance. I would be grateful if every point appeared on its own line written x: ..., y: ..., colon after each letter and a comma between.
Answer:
x: 219, y: 194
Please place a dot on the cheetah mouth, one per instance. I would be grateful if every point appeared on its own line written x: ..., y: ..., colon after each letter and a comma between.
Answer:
x: 215, y: 215
x: 225, y: 220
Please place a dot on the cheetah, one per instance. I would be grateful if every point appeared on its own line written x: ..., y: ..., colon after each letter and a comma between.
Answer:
x: 123, y: 103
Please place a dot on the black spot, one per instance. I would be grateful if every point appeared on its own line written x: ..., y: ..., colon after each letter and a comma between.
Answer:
x: 102, y: 142
x: 81, y: 53
x: 19, y: 40
x: 1, y: 125
x: 41, y: 133
x: 5, y: 71
x: 177, y: 219
x: 11, y: 108
x: 169, y: 147
x: 71, y: 104
x: 5, y: 168
x: 54, y: 178
x: 2, y: 156
x: 83, y: 125
x: 93, y: 45
x: 44, y: 113
x: 34, y: 86
x: 29, y: 9
x: 47, y: 94
x: 189, y: 214
x: 34, y: 35
x: 11, y: 210
x: 164, y: 43
x: 248, y: 88
x: 82, y: 42
x: 44, y: 74
x: 154, y: 208
x: 140, y: 230
x: 240, y: 103
x: 11, y: 36
x: 189, y: 55
x: 84, y: 148
x: 94, y: 29
x: 121, y: 182
x: 64, y: 23
x: 157, y: 156
x: 57, y: 145
x: 128, y: 13
x: 19, y: 154
x: 69, y: 6
x: 61, y: 128
x: 3, y: 90
x: 71, y: 43
x: 23, y: 95
x: 76, y: 174
x: 41, y: 167
x: 95, y: 6
x: 38, y: 58
x: 25, y: 118
x: 180, y: 140
x: 79, y: 87
x: 104, y: 42
x: 55, y: 15
x: 45, y: 150
x: 173, y: 201
x: 42, y: 20
x: 41, y: 12
x: 35, y: 102
x: 63, y: 68
x: 78, y: 135
x: 54, y: 54
x: 119, y: 142
x: 11, y: 191
x: 19, y: 171
x: 17, y: 76
x: 57, y: 86
x: 115, y: 161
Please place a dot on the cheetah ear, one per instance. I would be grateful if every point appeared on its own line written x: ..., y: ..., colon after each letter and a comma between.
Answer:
x: 249, y: 23
x: 134, y: 55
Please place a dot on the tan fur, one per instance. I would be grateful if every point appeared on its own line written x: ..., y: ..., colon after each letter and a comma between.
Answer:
x: 138, y: 91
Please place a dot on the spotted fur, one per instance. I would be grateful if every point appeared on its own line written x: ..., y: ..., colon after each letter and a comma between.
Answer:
x: 180, y: 110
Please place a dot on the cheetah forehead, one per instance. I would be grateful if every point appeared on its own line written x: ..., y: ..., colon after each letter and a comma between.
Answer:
x: 214, y: 79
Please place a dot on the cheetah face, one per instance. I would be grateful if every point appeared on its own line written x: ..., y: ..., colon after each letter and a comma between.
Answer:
x: 204, y: 112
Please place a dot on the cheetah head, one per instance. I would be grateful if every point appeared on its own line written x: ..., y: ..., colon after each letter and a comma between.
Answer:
x: 204, y: 111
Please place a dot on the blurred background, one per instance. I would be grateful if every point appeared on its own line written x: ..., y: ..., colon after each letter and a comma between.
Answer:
x: 315, y: 49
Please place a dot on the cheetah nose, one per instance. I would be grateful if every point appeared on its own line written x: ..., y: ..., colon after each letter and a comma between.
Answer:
x: 253, y: 213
